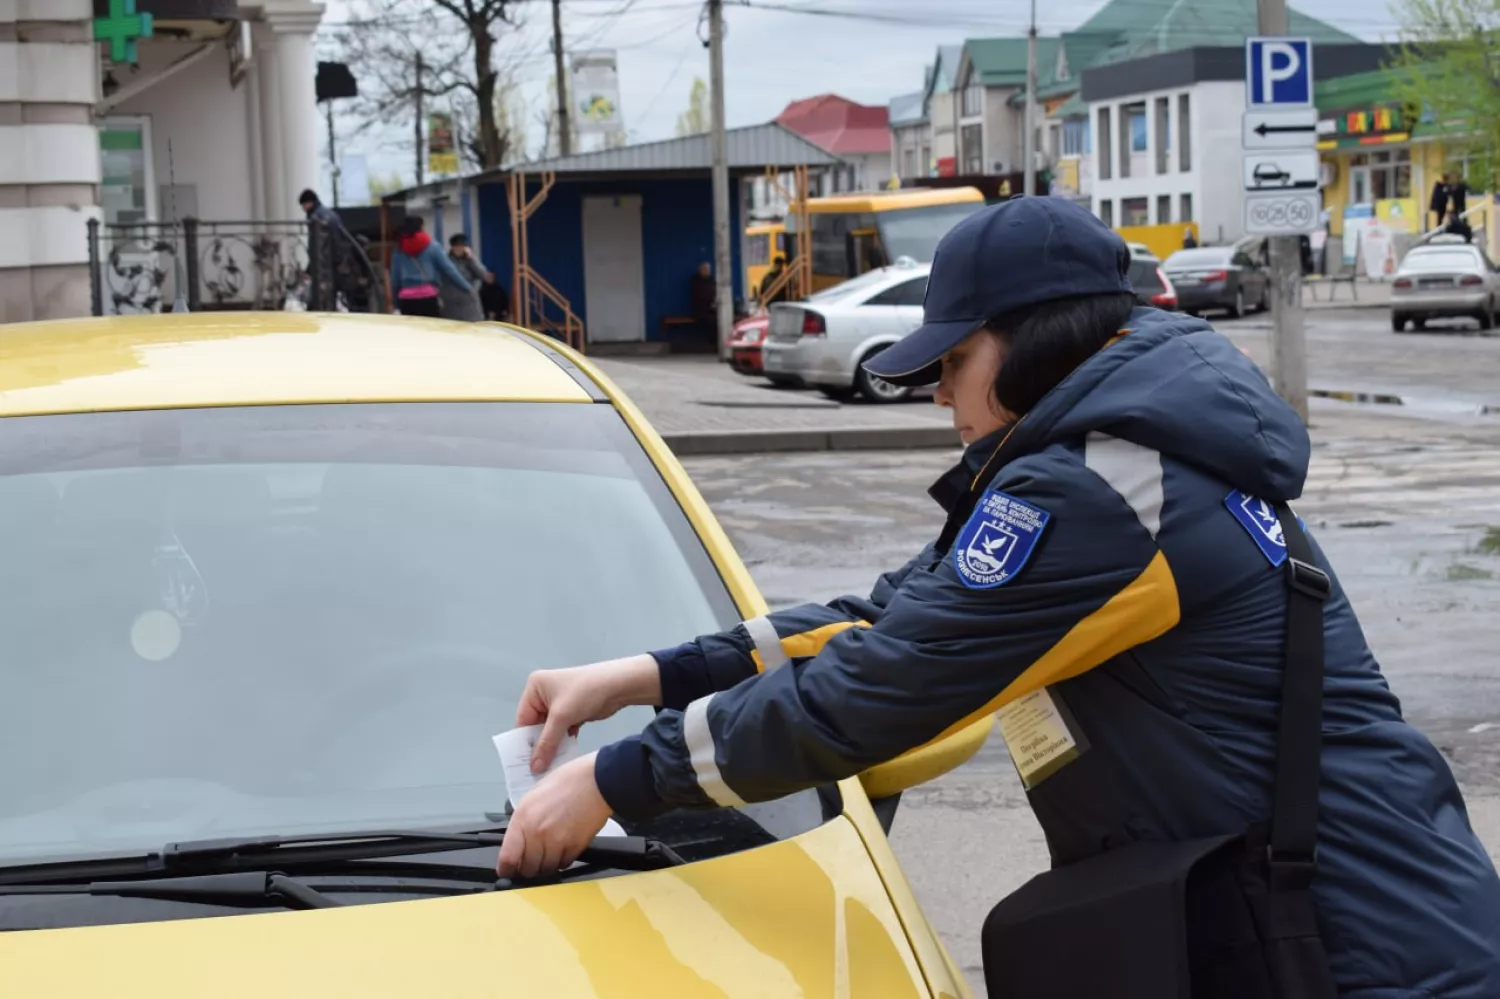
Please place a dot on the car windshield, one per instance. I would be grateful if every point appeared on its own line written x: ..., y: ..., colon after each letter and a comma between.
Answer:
x: 1188, y: 259
x: 308, y: 619
x: 915, y: 232
x: 1441, y: 260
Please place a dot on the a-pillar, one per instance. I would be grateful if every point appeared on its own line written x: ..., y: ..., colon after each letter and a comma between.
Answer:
x: 292, y: 128
x: 49, y: 157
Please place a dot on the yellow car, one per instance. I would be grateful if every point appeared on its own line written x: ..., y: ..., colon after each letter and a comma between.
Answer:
x: 271, y: 584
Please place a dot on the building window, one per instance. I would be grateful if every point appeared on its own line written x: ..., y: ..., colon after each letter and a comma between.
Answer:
x: 925, y: 166
x: 1186, y: 214
x: 1390, y: 174
x: 1135, y: 211
x: 973, y: 100
x: 1184, y: 133
x: 1163, y: 209
x: 1137, y: 128
x: 1163, y: 110
x: 1072, y: 136
x: 971, y: 140
x: 908, y: 162
x: 1105, y: 157
x: 1107, y: 212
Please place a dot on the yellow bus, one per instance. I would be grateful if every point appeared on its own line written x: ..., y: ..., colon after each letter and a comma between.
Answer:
x: 855, y: 233
x: 765, y: 244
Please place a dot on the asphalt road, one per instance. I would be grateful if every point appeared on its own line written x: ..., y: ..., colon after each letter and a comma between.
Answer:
x: 1408, y: 510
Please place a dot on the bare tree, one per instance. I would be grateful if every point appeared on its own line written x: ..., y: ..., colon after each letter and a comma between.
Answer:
x: 438, y: 53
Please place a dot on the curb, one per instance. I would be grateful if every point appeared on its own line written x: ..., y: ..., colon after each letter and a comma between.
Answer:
x: 695, y: 443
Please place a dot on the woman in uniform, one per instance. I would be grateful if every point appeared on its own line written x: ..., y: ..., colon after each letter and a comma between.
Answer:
x: 1112, y: 542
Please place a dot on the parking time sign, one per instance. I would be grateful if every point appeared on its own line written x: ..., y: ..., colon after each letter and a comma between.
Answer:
x: 1278, y: 73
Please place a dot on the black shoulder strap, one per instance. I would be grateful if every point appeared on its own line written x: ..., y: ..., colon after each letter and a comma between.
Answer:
x: 1299, y: 741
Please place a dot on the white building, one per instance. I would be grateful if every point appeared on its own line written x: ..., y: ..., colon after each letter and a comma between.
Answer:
x: 1164, y: 136
x: 214, y: 118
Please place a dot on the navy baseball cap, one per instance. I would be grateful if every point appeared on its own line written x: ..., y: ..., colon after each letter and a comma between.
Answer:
x: 1017, y: 253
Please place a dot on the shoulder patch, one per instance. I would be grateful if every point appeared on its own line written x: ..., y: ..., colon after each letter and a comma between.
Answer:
x: 1259, y: 518
x: 997, y: 541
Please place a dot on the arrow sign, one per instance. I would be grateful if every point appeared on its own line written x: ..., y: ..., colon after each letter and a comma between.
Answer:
x: 1280, y: 130
x: 1264, y: 130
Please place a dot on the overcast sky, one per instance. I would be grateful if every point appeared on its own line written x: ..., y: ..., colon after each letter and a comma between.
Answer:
x: 775, y: 51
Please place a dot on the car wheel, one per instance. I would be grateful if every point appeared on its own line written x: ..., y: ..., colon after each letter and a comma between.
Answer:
x: 1486, y: 316
x: 877, y: 389
x: 1398, y: 323
x: 1419, y: 324
x: 837, y: 393
x: 1238, y: 308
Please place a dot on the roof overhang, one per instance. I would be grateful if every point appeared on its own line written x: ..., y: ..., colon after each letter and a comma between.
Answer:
x: 184, y: 19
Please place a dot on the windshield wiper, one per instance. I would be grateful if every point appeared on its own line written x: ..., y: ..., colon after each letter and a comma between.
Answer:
x: 246, y: 887
x: 254, y: 853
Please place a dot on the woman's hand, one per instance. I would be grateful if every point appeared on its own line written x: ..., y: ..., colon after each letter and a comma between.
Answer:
x: 554, y: 822
x: 562, y: 700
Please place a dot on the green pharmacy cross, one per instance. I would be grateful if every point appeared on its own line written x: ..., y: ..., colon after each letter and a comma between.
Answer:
x: 121, y: 28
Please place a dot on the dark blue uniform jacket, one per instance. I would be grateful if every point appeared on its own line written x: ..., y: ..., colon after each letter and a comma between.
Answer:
x: 1122, y: 556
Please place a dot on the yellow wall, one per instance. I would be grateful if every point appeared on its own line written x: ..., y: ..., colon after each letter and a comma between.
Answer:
x: 1428, y: 160
x: 1164, y: 240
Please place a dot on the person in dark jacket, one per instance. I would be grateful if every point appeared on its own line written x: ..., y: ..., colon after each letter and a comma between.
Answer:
x: 1112, y: 561
x: 703, y: 299
x: 340, y: 249
x: 420, y: 271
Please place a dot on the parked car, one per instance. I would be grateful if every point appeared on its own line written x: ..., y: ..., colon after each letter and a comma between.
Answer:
x: 1151, y: 284
x: 824, y: 340
x: 260, y: 630
x: 745, y: 342
x: 1219, y: 277
x: 1440, y: 280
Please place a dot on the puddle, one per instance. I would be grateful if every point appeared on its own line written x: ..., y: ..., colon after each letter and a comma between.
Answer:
x: 1427, y: 404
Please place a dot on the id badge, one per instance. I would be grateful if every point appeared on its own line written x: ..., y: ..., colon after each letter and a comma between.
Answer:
x: 1039, y: 735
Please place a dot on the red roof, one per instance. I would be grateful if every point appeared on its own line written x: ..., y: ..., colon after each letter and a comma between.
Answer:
x: 839, y: 125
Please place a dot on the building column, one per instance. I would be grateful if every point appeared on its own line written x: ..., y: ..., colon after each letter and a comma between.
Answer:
x: 257, y: 153
x: 272, y: 166
x: 49, y: 157
x: 292, y: 27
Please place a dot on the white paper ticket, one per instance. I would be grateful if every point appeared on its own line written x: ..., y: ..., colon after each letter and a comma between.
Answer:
x: 515, y: 749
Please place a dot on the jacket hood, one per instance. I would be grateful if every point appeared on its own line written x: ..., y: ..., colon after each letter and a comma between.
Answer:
x: 1176, y: 385
x: 415, y: 243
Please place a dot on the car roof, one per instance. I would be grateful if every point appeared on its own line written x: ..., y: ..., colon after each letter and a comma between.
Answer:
x: 270, y: 358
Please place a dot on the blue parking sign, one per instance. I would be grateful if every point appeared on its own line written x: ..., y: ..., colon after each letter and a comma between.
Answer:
x: 1278, y: 73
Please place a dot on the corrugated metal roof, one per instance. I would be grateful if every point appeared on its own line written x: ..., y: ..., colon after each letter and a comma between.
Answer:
x: 751, y: 148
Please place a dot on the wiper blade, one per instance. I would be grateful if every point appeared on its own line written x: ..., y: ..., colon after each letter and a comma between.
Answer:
x: 252, y: 887
x: 254, y: 853
x: 214, y: 856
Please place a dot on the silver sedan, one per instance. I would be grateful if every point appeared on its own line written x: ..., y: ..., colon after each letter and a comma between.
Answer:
x: 824, y: 340
x: 1444, y: 279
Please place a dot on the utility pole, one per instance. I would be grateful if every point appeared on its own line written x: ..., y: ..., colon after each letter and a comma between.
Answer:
x: 419, y: 119
x: 333, y: 159
x: 722, y: 277
x: 564, y: 132
x: 1028, y: 141
x: 1288, y: 339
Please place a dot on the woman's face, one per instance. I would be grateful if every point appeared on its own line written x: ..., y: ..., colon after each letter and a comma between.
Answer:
x: 968, y: 386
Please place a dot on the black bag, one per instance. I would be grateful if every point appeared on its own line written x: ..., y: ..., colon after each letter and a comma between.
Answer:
x: 1225, y: 918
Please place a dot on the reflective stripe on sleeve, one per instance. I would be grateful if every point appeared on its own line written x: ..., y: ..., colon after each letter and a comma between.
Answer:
x: 767, y: 643
x: 1132, y: 471
x: 700, y: 745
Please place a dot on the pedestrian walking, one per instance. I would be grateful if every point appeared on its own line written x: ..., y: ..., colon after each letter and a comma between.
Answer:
x: 1233, y: 801
x: 339, y: 245
x: 419, y: 271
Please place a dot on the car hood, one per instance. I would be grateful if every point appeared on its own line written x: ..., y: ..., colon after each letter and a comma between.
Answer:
x: 802, y: 917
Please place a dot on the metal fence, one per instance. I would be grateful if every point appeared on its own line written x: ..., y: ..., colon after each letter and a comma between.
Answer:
x: 150, y: 267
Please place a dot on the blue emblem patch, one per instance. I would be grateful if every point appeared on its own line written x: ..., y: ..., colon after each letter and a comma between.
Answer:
x: 998, y: 539
x: 1259, y: 518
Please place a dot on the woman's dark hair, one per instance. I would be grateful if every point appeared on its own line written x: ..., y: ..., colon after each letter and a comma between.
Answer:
x: 410, y: 226
x: 1045, y: 342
